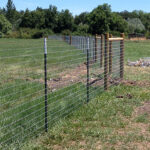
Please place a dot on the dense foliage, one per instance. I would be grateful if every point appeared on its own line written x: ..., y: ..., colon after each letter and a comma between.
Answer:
x: 5, y: 25
x: 98, y: 21
x: 135, y: 25
x: 102, y: 20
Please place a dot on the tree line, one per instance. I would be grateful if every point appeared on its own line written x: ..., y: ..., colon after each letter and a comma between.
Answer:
x: 47, y: 21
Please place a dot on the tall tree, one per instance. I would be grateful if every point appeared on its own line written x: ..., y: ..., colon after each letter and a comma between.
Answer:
x: 99, y: 19
x: 26, y: 20
x: 51, y: 17
x: 82, y: 18
x: 33, y: 19
x: 117, y: 23
x: 135, y: 25
x: 11, y: 13
x: 5, y: 25
x: 65, y: 21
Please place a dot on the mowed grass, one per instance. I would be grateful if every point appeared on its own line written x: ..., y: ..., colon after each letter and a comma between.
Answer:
x: 112, y: 120
x: 135, y: 50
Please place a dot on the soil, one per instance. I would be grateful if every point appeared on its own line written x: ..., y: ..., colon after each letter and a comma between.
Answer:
x: 66, y: 78
x: 128, y: 96
x: 76, y: 75
x: 79, y: 75
x: 144, y: 109
x: 136, y: 83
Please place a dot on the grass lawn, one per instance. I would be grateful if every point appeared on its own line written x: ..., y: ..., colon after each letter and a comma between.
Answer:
x: 137, y: 49
x: 111, y: 121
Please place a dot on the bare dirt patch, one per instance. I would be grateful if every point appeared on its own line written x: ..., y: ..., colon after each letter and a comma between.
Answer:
x: 136, y: 133
x: 144, y: 109
x: 79, y: 75
x: 128, y: 96
x: 136, y: 83
x: 65, y: 78
x: 71, y: 76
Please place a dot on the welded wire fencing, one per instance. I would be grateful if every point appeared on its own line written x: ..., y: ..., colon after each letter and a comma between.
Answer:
x: 46, y: 82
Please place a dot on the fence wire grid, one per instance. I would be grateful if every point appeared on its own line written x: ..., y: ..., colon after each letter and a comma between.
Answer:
x: 44, y: 83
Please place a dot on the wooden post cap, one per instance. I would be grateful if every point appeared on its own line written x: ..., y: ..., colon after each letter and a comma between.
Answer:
x: 107, y: 36
x: 122, y: 35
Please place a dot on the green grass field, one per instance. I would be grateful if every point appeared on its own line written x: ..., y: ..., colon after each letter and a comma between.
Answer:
x: 102, y: 124
x: 136, y: 50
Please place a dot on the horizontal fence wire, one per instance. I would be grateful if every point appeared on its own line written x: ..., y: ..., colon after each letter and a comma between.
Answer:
x: 38, y: 88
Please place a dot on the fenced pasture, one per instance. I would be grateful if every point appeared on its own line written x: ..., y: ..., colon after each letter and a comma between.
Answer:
x: 43, y: 82
x: 116, y: 119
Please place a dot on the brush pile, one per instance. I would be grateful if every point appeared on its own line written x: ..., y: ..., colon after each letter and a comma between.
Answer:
x: 145, y: 62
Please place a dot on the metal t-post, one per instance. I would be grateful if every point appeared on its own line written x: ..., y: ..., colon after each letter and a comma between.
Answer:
x: 45, y: 74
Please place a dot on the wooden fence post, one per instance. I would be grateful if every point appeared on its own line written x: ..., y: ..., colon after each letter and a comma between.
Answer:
x: 64, y: 37
x: 122, y: 57
x: 95, y: 47
x: 70, y: 40
x: 106, y: 61
x: 110, y: 55
x: 102, y: 50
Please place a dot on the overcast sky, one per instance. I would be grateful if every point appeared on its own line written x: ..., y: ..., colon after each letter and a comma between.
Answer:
x: 78, y: 6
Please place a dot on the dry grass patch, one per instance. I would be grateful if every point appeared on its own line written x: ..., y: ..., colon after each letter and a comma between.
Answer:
x: 137, y: 73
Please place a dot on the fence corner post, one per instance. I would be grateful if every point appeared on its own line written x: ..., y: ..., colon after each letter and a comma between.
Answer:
x: 122, y: 56
x: 45, y: 76
x: 106, y: 61
x: 102, y: 50
x: 110, y: 55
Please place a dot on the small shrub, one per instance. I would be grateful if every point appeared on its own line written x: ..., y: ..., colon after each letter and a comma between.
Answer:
x: 5, y: 25
x: 14, y: 34
x: 27, y: 33
x: 24, y: 33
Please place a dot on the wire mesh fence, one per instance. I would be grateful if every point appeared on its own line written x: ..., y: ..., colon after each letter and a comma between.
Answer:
x: 44, y: 83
